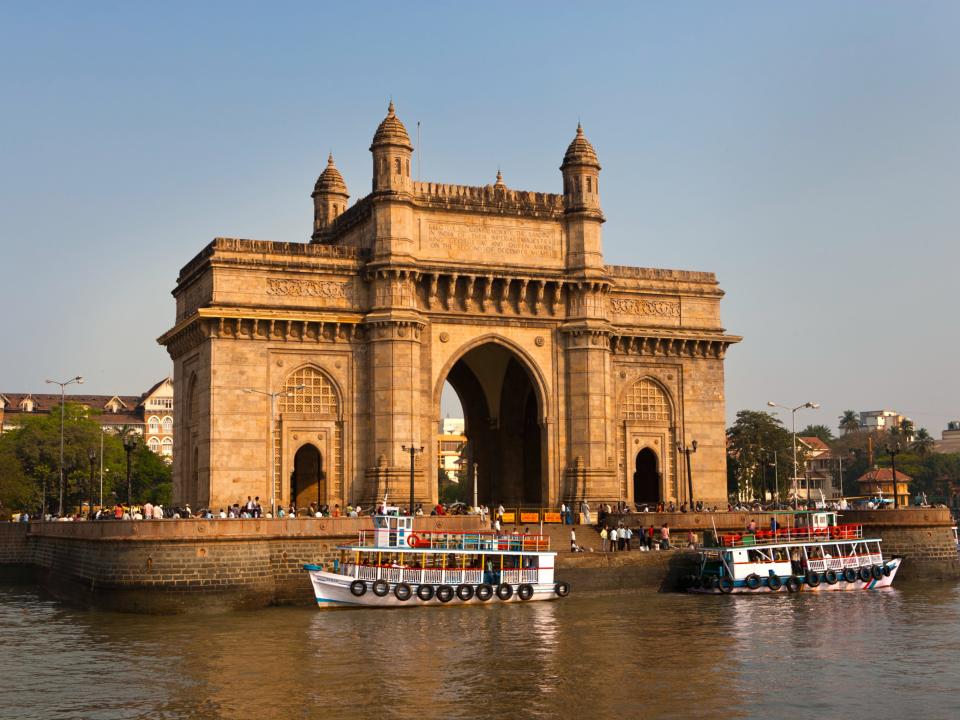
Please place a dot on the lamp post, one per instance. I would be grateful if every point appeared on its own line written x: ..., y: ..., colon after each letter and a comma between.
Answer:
x: 894, y: 450
x: 686, y: 451
x: 793, y: 432
x: 79, y: 381
x: 413, y: 454
x: 128, y: 445
x: 270, y: 433
x: 92, y: 454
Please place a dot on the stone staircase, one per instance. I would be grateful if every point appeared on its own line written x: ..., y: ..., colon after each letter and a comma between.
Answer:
x: 587, y: 537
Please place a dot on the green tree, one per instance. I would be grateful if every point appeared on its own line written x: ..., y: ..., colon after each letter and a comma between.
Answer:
x: 923, y: 442
x: 755, y: 441
x: 30, y: 464
x: 820, y: 431
x: 849, y: 422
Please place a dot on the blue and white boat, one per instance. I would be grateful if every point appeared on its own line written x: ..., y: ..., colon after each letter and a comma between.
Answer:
x: 814, y: 553
x: 396, y: 567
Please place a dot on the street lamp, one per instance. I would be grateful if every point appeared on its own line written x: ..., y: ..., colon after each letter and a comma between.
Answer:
x: 92, y: 454
x: 413, y: 454
x: 129, y: 444
x: 270, y: 432
x: 686, y: 451
x: 894, y: 450
x: 793, y: 431
x: 79, y: 381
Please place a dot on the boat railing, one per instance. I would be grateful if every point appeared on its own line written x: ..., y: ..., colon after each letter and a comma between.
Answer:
x: 839, y: 563
x: 417, y: 576
x: 802, y: 534
x: 468, y: 541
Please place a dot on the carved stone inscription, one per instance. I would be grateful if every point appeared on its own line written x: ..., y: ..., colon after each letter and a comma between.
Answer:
x: 491, y: 242
x: 637, y: 306
x: 307, y: 288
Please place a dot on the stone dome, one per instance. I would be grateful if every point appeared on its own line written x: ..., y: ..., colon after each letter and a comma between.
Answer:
x: 391, y: 132
x: 580, y: 151
x: 330, y: 180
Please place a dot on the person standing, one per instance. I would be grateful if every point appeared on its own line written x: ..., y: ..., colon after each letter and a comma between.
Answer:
x: 573, y: 540
x: 613, y: 539
x: 563, y: 513
x: 585, y: 510
x: 604, y: 542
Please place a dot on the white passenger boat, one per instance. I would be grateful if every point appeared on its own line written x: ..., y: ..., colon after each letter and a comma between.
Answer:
x: 395, y: 567
x: 814, y: 554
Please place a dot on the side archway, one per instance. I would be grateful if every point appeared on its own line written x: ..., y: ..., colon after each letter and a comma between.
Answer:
x: 647, y: 437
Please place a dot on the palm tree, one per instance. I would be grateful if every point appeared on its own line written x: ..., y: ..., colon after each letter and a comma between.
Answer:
x: 923, y: 442
x: 849, y: 421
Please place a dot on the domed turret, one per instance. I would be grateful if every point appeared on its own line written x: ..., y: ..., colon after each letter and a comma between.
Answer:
x: 581, y: 174
x: 329, y: 197
x: 391, y: 150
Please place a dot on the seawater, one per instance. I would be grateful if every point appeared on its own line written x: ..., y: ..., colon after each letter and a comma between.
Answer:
x: 629, y: 655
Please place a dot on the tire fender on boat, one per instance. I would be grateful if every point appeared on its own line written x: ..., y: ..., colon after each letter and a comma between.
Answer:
x: 886, y: 570
x: 504, y: 591
x: 562, y: 589
x: 425, y: 593
x: 465, y: 592
x: 830, y: 577
x: 849, y: 575
x: 726, y: 585
x: 877, y: 572
x: 793, y: 584
x: 484, y: 592
x: 752, y: 581
x: 864, y: 574
x: 774, y: 582
x: 525, y: 592
x: 444, y: 593
x: 358, y: 588
x: 812, y: 578
x: 380, y: 588
x: 402, y: 592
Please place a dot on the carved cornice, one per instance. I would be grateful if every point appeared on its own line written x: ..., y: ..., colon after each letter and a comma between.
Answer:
x: 241, y: 324
x: 655, y: 344
x: 490, y: 199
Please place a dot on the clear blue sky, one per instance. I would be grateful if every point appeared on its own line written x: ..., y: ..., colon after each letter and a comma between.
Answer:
x: 808, y: 154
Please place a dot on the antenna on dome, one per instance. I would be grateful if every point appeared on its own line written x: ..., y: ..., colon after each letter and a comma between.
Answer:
x: 419, y: 155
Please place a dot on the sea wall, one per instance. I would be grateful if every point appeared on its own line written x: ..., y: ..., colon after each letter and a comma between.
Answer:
x: 174, y: 566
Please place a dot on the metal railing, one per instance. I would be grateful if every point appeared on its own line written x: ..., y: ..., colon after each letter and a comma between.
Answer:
x: 467, y: 541
x: 772, y: 537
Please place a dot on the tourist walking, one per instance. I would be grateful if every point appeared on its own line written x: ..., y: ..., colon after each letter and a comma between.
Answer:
x: 573, y: 540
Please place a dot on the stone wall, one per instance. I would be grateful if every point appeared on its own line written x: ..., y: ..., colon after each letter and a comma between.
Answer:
x: 176, y: 566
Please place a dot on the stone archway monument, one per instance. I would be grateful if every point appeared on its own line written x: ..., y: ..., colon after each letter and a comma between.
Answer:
x: 567, y: 367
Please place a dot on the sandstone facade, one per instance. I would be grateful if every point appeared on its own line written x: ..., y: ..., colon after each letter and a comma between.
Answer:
x: 578, y: 379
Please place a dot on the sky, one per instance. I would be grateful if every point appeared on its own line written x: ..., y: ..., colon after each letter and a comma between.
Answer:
x: 808, y: 154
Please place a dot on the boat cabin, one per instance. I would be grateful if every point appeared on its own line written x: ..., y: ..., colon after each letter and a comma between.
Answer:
x: 392, y: 529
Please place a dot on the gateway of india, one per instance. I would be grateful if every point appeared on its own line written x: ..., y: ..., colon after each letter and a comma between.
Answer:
x: 308, y: 370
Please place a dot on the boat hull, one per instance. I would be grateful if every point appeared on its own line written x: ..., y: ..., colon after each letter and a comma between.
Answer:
x: 333, y: 591
x: 740, y: 588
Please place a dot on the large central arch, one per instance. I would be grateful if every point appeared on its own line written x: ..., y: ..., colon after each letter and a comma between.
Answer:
x: 504, y: 409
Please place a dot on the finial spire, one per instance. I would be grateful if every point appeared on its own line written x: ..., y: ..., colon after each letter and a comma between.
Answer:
x: 499, y: 177
x: 390, y: 110
x: 579, y: 129
x: 330, y: 160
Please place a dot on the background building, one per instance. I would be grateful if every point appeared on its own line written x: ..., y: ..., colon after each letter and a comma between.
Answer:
x: 949, y: 441
x: 819, y: 470
x: 149, y: 414
x: 879, y: 482
x: 885, y: 420
x: 450, y: 447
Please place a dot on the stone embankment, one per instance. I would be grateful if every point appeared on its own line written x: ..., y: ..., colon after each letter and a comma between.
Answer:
x: 174, y: 566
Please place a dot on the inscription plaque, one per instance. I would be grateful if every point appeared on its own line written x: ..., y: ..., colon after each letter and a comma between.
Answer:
x: 491, y: 242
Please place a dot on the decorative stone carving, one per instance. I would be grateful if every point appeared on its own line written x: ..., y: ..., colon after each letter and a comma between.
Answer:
x: 642, y: 307
x: 307, y: 288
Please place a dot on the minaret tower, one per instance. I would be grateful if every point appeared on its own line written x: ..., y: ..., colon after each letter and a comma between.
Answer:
x: 329, y: 198
x: 591, y: 441
x: 392, y: 151
x: 581, y: 201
